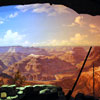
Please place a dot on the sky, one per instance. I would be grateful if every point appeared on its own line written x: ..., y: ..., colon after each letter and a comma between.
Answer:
x: 47, y: 25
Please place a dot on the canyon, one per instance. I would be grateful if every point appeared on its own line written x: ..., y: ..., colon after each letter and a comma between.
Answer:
x: 51, y: 65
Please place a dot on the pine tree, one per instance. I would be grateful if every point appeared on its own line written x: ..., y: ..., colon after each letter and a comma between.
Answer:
x: 19, y: 79
x: 1, y: 82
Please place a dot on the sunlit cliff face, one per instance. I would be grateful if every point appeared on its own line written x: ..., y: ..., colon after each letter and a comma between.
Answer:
x: 45, y: 25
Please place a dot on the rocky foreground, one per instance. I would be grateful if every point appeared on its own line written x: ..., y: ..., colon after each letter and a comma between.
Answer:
x: 38, y: 92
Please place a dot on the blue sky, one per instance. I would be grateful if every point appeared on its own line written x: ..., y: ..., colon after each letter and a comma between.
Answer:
x: 45, y: 25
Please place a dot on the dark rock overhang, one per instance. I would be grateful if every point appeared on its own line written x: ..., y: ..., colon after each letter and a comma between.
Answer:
x: 91, y: 7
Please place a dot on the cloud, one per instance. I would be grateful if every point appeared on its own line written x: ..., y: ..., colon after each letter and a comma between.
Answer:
x: 58, y: 42
x: 1, y: 22
x: 53, y: 42
x: 71, y: 25
x: 13, y: 15
x: 44, y: 8
x: 60, y: 9
x: 78, y: 37
x: 76, y: 40
x: 26, y: 43
x: 77, y: 21
x: 85, y: 40
x: 11, y: 38
x: 25, y: 8
x: 94, y: 28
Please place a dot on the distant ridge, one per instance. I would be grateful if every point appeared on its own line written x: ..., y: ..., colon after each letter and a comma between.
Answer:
x: 12, y: 50
x: 21, y: 49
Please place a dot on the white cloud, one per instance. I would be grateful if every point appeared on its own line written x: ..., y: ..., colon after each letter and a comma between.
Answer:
x: 77, y: 21
x: 1, y: 22
x: 73, y: 24
x: 40, y: 8
x: 12, y: 35
x: 26, y: 43
x: 13, y: 15
x: 44, y: 8
x: 11, y: 38
x: 52, y: 14
x: 84, y: 40
x: 57, y: 42
x: 53, y: 42
x: 77, y: 39
x: 60, y: 9
x: 94, y: 28
x: 24, y: 8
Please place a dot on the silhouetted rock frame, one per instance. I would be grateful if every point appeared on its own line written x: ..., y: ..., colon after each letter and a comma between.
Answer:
x: 91, y: 7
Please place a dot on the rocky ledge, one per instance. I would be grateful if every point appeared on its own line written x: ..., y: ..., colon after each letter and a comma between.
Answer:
x: 37, y: 92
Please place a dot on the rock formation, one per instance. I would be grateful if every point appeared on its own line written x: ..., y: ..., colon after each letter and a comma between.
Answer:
x: 40, y: 68
x: 2, y: 66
